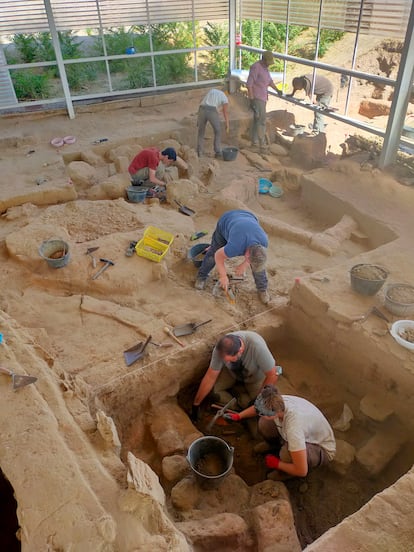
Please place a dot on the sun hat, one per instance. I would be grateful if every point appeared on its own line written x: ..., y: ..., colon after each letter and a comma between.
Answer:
x: 268, y: 57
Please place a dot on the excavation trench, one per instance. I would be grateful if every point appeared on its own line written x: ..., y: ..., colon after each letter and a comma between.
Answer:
x: 160, y: 432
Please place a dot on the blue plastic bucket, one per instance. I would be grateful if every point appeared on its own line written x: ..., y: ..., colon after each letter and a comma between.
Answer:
x: 55, y: 253
x: 130, y: 50
x: 137, y: 194
x: 264, y: 185
x: 196, y: 253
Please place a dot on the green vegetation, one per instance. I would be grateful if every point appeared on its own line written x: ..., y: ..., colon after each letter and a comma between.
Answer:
x: 137, y: 72
x: 29, y: 85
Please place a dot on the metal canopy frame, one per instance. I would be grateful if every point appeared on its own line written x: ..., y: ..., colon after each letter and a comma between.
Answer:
x: 403, y: 84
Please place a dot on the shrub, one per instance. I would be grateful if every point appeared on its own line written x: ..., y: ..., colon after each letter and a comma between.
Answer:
x: 29, y: 85
x: 217, y: 35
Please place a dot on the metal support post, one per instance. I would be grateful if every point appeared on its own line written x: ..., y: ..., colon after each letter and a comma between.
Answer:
x: 59, y: 59
x: 402, y: 92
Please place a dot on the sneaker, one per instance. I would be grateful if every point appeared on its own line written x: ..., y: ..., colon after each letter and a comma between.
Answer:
x: 264, y: 296
x: 200, y: 284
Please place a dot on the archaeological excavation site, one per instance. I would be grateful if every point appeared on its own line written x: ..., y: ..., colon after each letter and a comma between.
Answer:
x: 130, y: 289
x: 97, y: 447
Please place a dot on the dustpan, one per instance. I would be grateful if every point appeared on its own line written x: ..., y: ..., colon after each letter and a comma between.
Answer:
x: 18, y: 380
x: 187, y: 329
x: 136, y: 352
x: 184, y: 210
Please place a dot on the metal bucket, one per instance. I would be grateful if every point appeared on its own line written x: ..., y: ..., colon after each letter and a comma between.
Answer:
x: 366, y: 286
x: 55, y: 252
x: 211, y: 460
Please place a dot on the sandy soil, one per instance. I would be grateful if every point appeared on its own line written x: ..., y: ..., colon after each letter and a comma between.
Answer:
x: 82, y: 326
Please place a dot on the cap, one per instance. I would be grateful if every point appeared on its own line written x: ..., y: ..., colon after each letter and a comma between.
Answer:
x: 268, y: 57
x: 170, y: 153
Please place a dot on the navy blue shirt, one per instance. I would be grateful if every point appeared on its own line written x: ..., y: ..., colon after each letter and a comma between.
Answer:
x: 240, y: 229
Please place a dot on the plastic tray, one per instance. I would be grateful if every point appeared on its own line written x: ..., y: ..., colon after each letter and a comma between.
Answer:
x: 155, y: 244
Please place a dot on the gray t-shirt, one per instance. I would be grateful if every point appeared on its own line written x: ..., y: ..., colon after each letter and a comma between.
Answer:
x: 304, y: 423
x: 255, y: 361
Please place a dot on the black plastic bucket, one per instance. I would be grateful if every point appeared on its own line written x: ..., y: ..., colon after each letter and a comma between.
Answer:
x: 361, y: 283
x: 197, y: 252
x: 229, y: 154
x: 211, y: 459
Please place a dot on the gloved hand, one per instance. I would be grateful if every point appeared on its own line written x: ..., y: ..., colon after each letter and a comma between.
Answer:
x: 272, y: 461
x: 253, y: 106
x: 231, y: 417
x: 195, y: 411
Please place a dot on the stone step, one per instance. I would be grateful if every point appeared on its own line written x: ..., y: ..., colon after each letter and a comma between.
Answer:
x: 381, y: 449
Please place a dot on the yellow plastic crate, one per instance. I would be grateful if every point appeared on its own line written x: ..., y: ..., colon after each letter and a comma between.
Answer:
x: 155, y: 244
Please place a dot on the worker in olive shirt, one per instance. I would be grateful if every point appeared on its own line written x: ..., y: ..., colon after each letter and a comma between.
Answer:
x: 241, y: 362
x: 258, y: 81
x: 238, y: 233
x: 323, y: 91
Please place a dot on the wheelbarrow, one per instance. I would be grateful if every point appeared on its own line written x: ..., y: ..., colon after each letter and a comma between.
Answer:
x: 136, y: 352
x: 184, y: 210
x: 18, y: 380
x: 187, y: 329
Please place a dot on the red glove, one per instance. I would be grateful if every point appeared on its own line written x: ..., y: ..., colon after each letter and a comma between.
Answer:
x: 272, y: 461
x: 231, y: 417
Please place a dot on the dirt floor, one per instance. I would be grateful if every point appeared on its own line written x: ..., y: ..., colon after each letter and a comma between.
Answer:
x: 81, y: 326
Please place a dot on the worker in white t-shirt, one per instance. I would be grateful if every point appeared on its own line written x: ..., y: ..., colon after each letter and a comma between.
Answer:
x: 208, y: 112
x: 292, y: 427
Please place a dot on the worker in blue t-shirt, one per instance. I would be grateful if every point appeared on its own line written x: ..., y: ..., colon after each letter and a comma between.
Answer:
x: 238, y: 233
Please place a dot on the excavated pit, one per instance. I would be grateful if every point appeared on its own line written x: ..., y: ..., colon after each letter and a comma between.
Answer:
x: 319, y: 501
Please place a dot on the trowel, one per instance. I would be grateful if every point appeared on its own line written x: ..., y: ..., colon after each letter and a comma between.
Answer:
x: 18, y: 380
x: 89, y: 252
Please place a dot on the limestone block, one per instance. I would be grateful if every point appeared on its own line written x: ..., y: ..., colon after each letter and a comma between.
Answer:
x: 380, y: 450
x: 82, y: 174
x: 92, y: 158
x: 267, y: 491
x: 182, y: 190
x: 371, y: 109
x: 376, y: 407
x: 185, y: 494
x: 169, y: 442
x: 121, y: 164
x: 231, y: 495
x: 175, y: 467
x: 111, y: 169
x: 141, y: 477
x: 345, y: 454
x: 107, y: 430
x: 225, y: 532
x: 278, y: 150
x: 275, y: 528
x: 125, y: 150
x: 309, y: 151
x: 291, y: 178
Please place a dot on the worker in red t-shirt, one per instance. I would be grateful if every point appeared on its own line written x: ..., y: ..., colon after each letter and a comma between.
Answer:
x: 148, y: 166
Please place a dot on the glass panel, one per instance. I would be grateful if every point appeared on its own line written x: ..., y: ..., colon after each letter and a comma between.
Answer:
x: 132, y: 74
x: 173, y: 69
x: 35, y: 84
